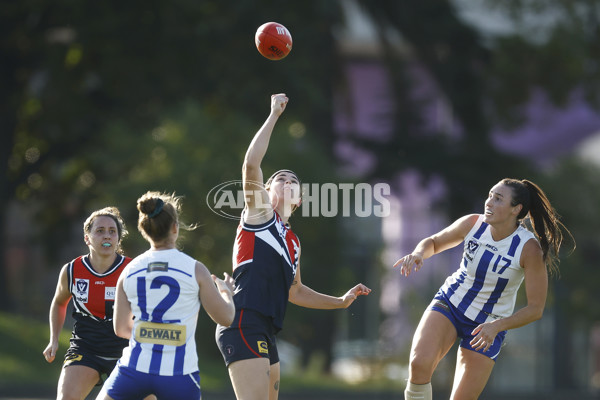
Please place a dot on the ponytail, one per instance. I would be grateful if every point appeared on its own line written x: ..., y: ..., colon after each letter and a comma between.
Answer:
x: 544, y: 220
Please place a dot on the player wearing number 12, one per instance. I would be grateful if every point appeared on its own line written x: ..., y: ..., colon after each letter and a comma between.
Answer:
x: 476, y: 303
x: 162, y: 290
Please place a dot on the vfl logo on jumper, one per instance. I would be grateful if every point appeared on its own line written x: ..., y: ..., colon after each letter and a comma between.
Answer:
x: 155, y: 333
x: 471, y: 248
x: 82, y: 288
x: 262, y: 346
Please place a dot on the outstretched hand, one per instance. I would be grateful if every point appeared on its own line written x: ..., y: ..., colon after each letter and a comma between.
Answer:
x: 278, y: 103
x: 407, y: 262
x: 352, y: 294
x: 227, y: 283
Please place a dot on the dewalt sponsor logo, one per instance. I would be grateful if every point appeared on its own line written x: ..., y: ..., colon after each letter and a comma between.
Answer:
x: 157, y: 333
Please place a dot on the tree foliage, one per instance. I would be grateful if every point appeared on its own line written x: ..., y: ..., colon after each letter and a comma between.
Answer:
x: 105, y: 100
x: 108, y: 100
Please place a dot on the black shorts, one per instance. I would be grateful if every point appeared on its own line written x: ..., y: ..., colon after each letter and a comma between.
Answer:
x: 78, y: 356
x: 251, y: 335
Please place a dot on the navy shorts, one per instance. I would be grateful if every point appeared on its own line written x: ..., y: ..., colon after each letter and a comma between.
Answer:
x: 251, y: 335
x: 78, y: 356
x: 129, y: 384
x: 464, y: 326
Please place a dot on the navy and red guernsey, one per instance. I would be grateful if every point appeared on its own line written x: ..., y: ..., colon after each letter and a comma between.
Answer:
x: 93, y: 297
x: 265, y: 259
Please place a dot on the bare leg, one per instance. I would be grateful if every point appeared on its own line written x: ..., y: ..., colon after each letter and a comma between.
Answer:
x: 472, y: 373
x: 250, y: 378
x: 76, y: 382
x: 274, y: 382
x: 433, y: 338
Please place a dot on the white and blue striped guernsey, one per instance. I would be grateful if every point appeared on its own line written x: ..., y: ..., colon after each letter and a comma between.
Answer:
x: 485, y: 286
x: 164, y: 295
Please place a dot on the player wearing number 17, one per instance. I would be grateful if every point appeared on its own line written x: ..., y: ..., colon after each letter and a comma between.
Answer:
x: 162, y: 290
x: 476, y: 303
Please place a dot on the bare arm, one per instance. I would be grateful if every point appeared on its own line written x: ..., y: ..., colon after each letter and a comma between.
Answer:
x: 252, y: 177
x: 123, y: 316
x: 216, y: 295
x: 304, y: 296
x: 447, y: 238
x: 536, y: 287
x: 58, y: 310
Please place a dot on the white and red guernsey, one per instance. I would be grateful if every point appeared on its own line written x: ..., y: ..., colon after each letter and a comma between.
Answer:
x: 93, y: 295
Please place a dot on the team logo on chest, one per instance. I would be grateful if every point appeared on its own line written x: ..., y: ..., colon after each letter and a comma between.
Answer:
x: 471, y: 248
x: 82, y: 289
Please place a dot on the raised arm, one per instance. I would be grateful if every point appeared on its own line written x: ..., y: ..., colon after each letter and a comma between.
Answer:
x: 304, y: 296
x: 58, y: 310
x: 254, y: 193
x: 447, y: 238
x: 216, y: 295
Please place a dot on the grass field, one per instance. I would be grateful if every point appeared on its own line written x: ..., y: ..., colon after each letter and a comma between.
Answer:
x: 22, y: 341
x: 25, y: 372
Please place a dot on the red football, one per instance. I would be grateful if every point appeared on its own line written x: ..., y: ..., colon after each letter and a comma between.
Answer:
x: 273, y: 40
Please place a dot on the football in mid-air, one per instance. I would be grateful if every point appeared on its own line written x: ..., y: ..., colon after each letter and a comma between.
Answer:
x: 273, y: 40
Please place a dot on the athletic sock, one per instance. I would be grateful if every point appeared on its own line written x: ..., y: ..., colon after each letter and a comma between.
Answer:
x: 417, y: 392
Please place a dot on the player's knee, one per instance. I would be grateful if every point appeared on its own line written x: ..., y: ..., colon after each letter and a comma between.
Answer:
x: 421, y: 368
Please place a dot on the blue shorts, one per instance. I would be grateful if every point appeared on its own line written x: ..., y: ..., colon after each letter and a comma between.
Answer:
x: 464, y: 326
x: 126, y: 383
x: 251, y: 335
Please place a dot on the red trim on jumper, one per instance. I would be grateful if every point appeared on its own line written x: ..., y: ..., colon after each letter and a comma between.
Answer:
x: 242, y: 335
x: 244, y: 247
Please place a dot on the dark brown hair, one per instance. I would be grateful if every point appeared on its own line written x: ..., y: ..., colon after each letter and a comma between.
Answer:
x: 544, y: 220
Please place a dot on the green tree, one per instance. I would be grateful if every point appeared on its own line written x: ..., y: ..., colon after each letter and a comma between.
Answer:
x: 575, y: 192
x: 103, y: 101
x: 108, y: 100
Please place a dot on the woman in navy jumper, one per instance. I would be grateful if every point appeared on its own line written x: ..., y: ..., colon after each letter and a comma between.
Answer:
x: 266, y: 269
